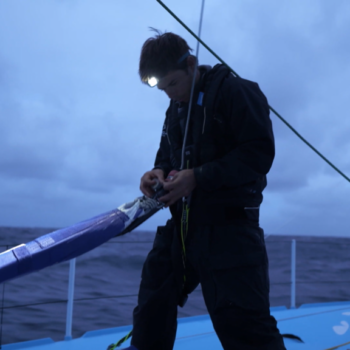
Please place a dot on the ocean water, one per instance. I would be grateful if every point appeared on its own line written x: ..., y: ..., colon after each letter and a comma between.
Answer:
x: 107, y: 280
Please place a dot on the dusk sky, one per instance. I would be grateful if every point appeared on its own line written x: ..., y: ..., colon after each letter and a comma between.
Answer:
x: 78, y: 129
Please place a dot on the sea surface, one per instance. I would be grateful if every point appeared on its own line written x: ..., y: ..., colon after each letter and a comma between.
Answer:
x: 107, y: 281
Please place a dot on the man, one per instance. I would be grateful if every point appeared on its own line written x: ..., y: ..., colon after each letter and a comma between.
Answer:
x: 214, y: 196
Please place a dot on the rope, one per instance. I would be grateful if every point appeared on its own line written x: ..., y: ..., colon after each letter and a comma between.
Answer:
x: 120, y: 342
x: 272, y: 109
x: 196, y: 37
x: 192, y: 89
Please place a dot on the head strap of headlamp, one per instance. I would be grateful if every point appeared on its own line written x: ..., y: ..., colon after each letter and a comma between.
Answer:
x: 183, y: 57
x: 153, y: 81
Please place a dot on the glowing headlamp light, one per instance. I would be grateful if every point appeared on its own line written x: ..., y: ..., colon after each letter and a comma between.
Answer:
x: 152, y: 82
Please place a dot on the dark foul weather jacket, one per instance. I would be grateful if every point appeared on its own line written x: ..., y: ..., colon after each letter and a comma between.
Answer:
x: 233, y: 144
x: 230, y: 146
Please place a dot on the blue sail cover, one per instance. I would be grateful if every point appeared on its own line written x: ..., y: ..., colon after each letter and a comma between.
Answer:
x: 70, y: 242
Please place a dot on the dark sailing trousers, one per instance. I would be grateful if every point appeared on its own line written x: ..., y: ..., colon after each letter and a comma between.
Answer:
x: 231, y: 264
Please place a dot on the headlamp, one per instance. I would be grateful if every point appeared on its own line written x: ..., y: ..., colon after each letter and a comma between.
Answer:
x: 152, y: 82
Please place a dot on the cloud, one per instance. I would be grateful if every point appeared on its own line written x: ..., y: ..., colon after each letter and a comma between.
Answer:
x: 78, y: 129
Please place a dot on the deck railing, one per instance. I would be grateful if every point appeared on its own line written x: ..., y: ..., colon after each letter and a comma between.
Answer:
x: 70, y: 300
x: 70, y: 296
x: 293, y: 269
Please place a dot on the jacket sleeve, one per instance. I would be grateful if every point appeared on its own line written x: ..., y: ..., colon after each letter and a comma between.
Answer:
x: 250, y: 129
x: 162, y: 160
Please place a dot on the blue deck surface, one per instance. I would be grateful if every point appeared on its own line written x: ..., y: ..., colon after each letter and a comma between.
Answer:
x: 321, y: 326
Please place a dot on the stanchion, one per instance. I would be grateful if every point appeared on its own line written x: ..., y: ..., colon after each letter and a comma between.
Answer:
x: 293, y: 274
x: 70, y: 302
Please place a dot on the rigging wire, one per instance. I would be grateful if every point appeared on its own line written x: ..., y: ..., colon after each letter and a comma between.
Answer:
x: 272, y: 109
x: 192, y: 88
x: 199, y: 290
x: 65, y: 301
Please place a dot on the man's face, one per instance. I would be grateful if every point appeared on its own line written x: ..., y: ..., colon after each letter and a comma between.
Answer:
x: 177, y: 85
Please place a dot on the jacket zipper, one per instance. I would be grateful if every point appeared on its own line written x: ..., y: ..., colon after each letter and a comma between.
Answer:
x: 167, y: 133
x: 205, y: 117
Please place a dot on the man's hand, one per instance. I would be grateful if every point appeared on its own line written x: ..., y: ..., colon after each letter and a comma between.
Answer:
x: 149, y: 179
x: 180, y: 186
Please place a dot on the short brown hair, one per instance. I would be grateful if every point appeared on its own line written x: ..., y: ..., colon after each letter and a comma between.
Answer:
x: 160, y: 55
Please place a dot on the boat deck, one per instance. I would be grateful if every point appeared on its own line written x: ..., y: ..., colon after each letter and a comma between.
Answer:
x: 321, y: 327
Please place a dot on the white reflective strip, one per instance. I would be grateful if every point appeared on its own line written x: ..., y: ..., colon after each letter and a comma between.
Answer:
x: 21, y: 245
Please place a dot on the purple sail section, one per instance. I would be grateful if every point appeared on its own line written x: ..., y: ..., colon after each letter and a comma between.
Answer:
x: 61, y: 245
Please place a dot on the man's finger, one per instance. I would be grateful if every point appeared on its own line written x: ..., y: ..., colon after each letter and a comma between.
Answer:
x: 169, y: 186
x: 167, y: 199
x: 164, y: 199
x: 161, y: 178
x: 147, y: 193
x: 146, y: 188
x: 151, y: 183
